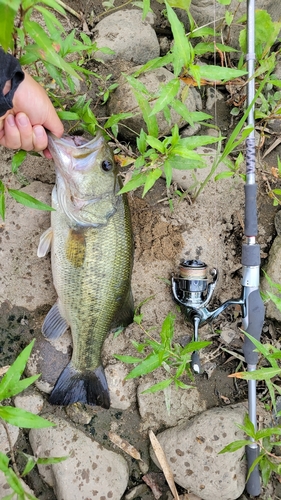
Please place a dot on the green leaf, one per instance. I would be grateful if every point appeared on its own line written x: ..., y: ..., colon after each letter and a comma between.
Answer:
x: 114, y: 119
x: 194, y: 346
x: 8, y: 13
x: 28, y: 201
x: 52, y: 460
x: 261, y: 374
x: 22, y: 418
x: 4, y: 462
x: 182, y: 48
x: 137, y: 181
x: 45, y: 50
x: 276, y: 300
x: 50, y: 18
x: 18, y: 159
x: 155, y: 143
x: 12, y: 376
x: 150, y: 363
x: 194, y: 142
x: 189, y: 161
x: 2, y: 205
x: 158, y: 62
x: 167, y: 94
x: 270, y: 431
x: 151, y: 178
x: 236, y: 445
x: 68, y: 115
x: 160, y: 386
x: 224, y: 175
x: 167, y: 330
x: 210, y: 72
x: 150, y: 120
x: 30, y: 464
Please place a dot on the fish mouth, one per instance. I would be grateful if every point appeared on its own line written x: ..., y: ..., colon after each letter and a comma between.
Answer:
x: 73, y: 145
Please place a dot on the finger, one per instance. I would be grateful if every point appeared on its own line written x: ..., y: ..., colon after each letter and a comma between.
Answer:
x: 53, y: 123
x: 47, y: 154
x: 12, y: 136
x: 2, y: 131
x: 25, y: 130
x: 40, y: 139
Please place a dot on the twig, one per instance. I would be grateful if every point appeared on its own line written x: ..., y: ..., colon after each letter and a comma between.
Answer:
x: 70, y: 10
x: 11, y: 448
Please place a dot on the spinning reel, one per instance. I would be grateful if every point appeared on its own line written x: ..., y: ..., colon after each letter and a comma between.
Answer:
x: 193, y: 292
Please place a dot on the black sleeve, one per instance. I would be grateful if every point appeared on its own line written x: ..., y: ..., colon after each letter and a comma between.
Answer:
x: 9, y: 70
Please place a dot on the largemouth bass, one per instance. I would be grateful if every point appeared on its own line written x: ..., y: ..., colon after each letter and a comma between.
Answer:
x: 92, y: 256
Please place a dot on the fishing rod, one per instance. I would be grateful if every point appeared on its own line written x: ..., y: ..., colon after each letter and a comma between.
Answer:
x: 192, y: 291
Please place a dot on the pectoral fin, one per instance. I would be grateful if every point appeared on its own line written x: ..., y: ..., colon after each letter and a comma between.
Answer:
x: 45, y: 243
x: 54, y: 324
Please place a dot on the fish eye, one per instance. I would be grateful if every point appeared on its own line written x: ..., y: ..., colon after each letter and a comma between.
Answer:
x: 106, y: 165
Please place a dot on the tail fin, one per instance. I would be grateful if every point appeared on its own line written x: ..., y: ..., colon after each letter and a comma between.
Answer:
x: 89, y: 387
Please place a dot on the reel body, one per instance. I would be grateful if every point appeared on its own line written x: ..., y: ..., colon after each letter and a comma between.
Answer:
x: 193, y: 293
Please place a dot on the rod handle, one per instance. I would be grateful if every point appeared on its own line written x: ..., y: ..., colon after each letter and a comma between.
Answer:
x: 253, y: 486
x: 253, y: 323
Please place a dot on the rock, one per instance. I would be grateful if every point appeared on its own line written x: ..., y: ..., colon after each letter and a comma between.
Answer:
x: 29, y: 401
x: 25, y: 280
x: 122, y: 392
x: 13, y: 435
x: 90, y: 471
x: 49, y: 358
x: 152, y: 406
x: 192, y: 451
x: 277, y: 222
x: 131, y: 38
x: 123, y: 100
x: 273, y: 270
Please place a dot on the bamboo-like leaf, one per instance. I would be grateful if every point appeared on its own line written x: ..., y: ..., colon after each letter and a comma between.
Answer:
x: 18, y: 159
x: 167, y: 330
x: 2, y: 205
x: 12, y: 376
x: 182, y: 48
x: 150, y: 363
x: 114, y: 119
x: 22, y: 418
x: 236, y: 445
x: 151, y: 178
x: 261, y: 374
x: 155, y: 143
x: 167, y: 94
x: 45, y: 50
x: 28, y: 201
x: 8, y: 13
x: 137, y: 181
x: 160, y: 386
x: 213, y: 73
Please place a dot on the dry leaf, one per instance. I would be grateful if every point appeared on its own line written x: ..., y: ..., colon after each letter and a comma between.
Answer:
x: 124, y: 445
x: 159, y: 452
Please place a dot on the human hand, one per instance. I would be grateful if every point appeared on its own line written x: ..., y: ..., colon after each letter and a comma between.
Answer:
x: 23, y: 126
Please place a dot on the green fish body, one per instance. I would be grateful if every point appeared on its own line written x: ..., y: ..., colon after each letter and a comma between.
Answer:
x: 92, y: 257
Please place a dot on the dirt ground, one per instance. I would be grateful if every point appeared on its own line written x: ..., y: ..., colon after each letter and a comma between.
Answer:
x: 158, y: 234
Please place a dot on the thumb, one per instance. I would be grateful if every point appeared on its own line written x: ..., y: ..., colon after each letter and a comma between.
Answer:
x: 53, y: 123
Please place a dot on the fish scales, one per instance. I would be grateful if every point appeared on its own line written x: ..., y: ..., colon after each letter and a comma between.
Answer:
x: 92, y: 293
x: 92, y: 257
